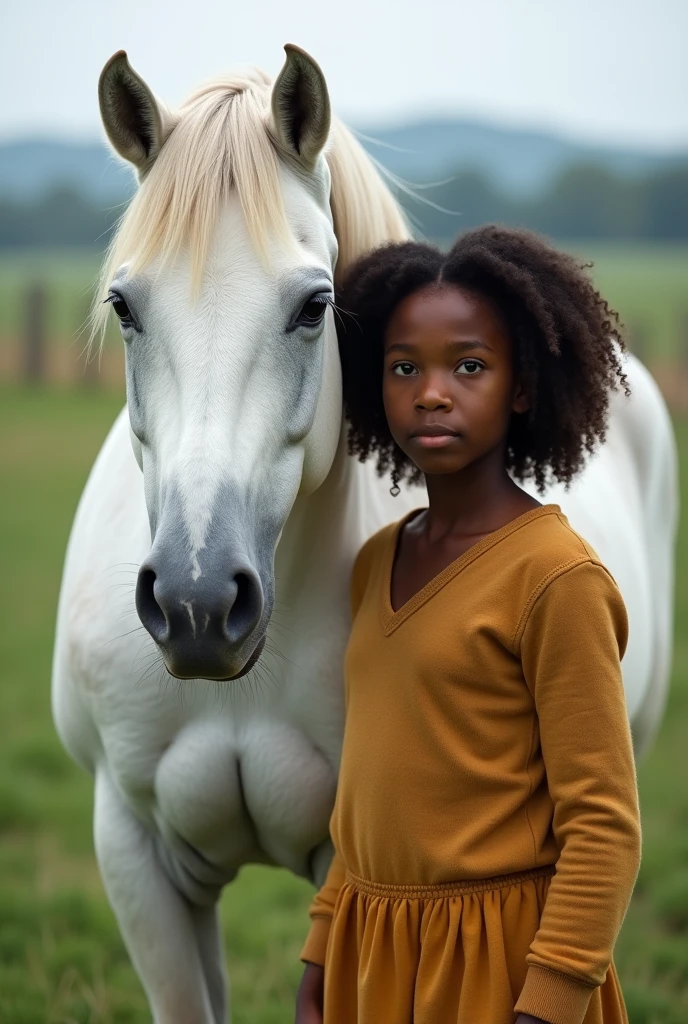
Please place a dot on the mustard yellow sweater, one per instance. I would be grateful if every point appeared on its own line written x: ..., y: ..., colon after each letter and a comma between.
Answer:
x: 487, y: 733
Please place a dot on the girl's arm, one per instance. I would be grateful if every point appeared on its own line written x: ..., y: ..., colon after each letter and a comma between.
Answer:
x: 571, y: 646
x: 309, y: 1001
x: 310, y: 997
x: 321, y: 913
x: 322, y: 907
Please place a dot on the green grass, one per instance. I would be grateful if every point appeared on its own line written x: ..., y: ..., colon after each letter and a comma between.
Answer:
x: 648, y: 286
x: 61, y: 957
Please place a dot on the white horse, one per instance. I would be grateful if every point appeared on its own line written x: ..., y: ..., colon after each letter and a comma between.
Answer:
x: 238, y: 488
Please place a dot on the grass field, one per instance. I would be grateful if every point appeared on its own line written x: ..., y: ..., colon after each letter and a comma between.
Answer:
x: 61, y: 958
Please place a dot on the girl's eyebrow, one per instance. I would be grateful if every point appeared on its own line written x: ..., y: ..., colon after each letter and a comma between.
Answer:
x: 460, y: 346
x: 463, y: 346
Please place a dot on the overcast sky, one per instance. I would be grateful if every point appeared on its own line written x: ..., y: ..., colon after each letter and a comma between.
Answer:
x: 614, y: 70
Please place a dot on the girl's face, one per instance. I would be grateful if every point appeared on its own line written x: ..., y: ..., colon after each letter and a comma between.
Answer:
x: 448, y: 382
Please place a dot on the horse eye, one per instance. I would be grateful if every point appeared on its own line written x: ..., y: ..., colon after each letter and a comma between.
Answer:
x: 121, y: 309
x: 312, y: 311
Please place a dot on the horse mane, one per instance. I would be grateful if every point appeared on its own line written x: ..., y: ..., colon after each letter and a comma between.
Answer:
x: 221, y: 141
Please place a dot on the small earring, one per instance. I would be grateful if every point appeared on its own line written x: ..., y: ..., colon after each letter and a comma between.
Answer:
x: 395, y: 488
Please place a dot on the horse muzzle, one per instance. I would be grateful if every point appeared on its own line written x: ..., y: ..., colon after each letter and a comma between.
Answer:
x: 209, y: 628
x: 205, y: 593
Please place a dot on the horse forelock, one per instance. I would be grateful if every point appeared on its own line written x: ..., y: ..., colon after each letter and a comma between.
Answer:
x: 221, y: 141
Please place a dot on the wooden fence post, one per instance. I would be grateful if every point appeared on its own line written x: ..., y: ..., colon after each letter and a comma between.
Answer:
x: 35, y: 333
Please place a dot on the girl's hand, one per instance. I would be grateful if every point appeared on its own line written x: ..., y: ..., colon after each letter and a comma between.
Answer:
x: 526, y: 1018
x: 309, y: 1000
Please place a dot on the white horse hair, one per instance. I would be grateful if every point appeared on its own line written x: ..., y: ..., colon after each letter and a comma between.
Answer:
x: 222, y: 274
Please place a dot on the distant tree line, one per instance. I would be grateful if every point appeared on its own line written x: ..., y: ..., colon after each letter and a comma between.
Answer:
x: 586, y: 202
x: 583, y: 203
x: 61, y: 217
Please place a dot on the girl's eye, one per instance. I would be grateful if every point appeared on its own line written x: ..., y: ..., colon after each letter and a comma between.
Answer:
x: 470, y: 367
x: 404, y: 369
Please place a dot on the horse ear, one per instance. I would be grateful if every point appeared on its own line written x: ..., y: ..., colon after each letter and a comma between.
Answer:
x: 301, y: 107
x: 136, y: 123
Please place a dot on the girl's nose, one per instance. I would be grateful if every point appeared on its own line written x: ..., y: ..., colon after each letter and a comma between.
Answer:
x: 433, y: 397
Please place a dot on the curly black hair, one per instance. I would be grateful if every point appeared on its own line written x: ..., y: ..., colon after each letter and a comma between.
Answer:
x: 567, y: 344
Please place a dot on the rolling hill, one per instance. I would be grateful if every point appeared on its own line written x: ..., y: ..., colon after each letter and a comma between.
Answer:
x: 518, y: 162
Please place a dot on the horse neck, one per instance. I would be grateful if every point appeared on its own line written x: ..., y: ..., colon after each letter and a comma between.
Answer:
x: 325, y: 525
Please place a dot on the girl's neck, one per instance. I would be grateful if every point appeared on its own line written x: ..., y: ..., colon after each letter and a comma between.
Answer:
x: 479, y: 499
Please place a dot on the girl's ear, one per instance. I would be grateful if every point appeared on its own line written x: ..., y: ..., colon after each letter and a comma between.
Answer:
x: 521, y: 402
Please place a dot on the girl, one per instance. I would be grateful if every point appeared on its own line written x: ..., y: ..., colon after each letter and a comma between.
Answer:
x: 486, y: 824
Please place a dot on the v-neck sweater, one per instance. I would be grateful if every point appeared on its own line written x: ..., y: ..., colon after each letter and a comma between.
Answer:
x: 487, y: 734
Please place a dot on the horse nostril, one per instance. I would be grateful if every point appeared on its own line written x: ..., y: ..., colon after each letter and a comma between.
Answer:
x: 247, y: 608
x: 150, y: 612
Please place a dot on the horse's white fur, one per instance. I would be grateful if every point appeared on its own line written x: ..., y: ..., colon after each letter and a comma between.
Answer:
x: 194, y: 779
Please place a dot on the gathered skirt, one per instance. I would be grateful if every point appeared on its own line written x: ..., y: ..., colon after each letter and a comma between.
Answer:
x: 444, y: 954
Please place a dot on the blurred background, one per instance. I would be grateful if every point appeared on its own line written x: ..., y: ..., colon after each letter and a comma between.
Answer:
x: 567, y: 117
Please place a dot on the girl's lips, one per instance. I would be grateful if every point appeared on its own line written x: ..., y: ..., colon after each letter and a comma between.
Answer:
x: 435, y: 440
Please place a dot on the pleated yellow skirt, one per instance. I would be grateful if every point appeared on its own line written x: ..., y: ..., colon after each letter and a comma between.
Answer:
x: 446, y: 954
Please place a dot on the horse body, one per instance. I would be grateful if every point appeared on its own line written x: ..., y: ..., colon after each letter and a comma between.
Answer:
x: 238, y: 527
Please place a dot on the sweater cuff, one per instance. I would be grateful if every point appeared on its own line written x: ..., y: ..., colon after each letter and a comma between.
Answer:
x: 316, y: 942
x: 557, y: 998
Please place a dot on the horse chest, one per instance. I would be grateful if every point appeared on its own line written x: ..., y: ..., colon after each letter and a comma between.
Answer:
x: 255, y: 791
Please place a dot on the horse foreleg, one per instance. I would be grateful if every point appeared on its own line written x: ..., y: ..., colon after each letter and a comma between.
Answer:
x: 207, y: 930
x: 170, y: 943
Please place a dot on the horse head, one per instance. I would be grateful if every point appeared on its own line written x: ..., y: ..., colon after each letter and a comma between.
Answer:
x: 222, y: 276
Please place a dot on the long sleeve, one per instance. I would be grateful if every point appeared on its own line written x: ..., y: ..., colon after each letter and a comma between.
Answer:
x: 571, y: 645
x: 321, y: 913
